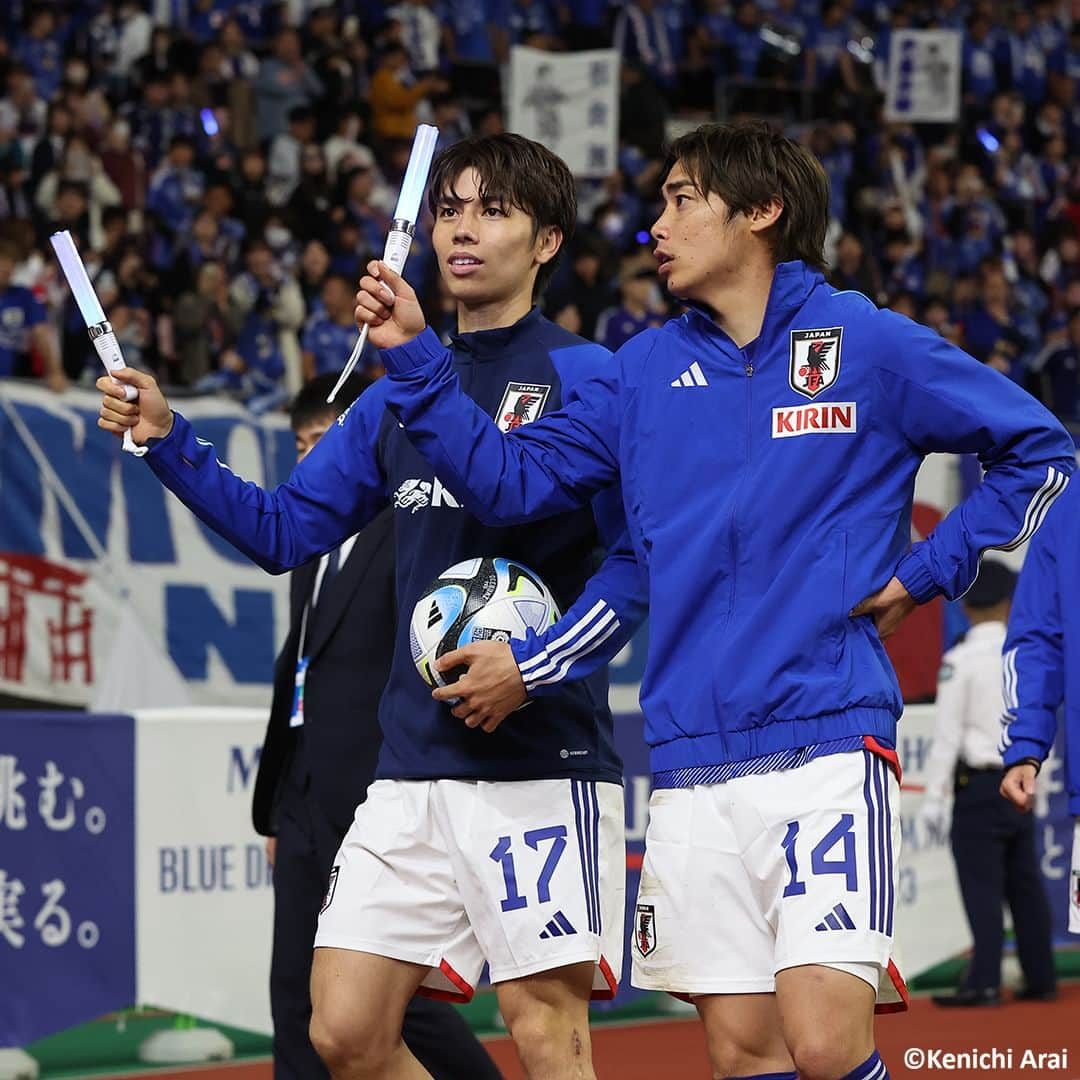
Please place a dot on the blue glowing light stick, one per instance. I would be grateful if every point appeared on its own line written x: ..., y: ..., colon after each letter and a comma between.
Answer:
x: 97, y: 326
x: 400, y: 236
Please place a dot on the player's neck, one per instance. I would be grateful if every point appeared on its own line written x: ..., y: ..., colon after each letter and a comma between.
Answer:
x: 494, y: 314
x: 738, y: 305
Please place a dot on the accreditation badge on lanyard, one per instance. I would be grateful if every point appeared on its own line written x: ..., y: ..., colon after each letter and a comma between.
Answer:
x: 297, y: 717
x: 1074, y: 882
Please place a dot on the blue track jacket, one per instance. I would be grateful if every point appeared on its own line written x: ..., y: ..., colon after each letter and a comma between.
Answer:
x: 1042, y: 649
x: 363, y: 463
x: 768, y: 490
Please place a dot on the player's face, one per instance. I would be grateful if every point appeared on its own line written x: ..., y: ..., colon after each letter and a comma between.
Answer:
x: 486, y: 249
x: 307, y: 435
x: 697, y: 248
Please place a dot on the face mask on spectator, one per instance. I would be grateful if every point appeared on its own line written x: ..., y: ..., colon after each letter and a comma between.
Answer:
x: 278, y: 237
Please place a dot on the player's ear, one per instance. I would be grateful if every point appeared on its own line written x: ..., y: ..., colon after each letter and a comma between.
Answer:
x: 548, y: 241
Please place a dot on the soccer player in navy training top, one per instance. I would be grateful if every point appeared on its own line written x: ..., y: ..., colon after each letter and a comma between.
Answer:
x: 766, y: 444
x: 1042, y: 669
x: 479, y: 840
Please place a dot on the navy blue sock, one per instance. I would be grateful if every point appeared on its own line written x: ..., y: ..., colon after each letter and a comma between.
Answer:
x: 873, y: 1068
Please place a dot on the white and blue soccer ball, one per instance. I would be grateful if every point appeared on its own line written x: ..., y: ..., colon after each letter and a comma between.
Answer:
x: 486, y: 599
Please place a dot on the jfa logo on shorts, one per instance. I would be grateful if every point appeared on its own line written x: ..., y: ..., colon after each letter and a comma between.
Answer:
x: 815, y: 360
x: 645, y: 929
x: 521, y: 404
x: 329, y: 898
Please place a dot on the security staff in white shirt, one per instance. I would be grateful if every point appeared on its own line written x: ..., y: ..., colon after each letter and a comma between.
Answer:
x: 993, y: 843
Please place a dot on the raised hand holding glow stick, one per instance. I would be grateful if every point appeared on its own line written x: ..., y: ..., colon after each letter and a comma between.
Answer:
x: 97, y: 326
x: 401, y: 232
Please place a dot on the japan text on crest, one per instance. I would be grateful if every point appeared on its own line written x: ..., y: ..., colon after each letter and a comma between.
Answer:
x: 815, y: 360
x: 521, y: 404
x: 645, y: 929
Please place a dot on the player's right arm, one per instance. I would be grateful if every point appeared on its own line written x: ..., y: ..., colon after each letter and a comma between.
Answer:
x: 1034, y: 664
x: 546, y: 467
x: 336, y: 490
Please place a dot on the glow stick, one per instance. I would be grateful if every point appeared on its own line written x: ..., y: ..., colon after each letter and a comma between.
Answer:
x: 97, y: 326
x: 399, y: 239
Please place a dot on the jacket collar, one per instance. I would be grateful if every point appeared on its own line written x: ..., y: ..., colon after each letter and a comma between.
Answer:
x: 489, y: 343
x: 792, y: 284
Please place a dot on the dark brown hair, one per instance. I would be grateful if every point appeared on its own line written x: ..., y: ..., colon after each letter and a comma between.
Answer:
x: 748, y: 165
x: 520, y: 172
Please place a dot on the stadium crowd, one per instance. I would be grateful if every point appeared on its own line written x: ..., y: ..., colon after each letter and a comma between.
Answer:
x: 227, y: 166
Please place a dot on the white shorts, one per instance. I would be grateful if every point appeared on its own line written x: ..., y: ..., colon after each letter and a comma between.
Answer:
x: 528, y: 875
x: 1074, y: 882
x: 745, y: 878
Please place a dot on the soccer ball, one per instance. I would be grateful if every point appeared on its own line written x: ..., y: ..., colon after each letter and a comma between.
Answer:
x: 491, y: 599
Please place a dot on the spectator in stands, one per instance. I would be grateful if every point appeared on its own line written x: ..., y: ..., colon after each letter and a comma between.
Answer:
x: 852, y: 269
x: 577, y: 302
x: 23, y: 113
x: 312, y: 271
x: 24, y: 334
x: 643, y: 36
x: 177, y: 187
x: 356, y: 207
x: 283, y: 164
x: 205, y: 325
x: 284, y: 82
x: 396, y: 93
x: 978, y: 64
x: 310, y: 205
x: 421, y: 34
x: 1058, y: 370
x: 78, y: 164
x: 39, y: 50
x: 253, y: 207
x: 50, y: 147
x: 640, y: 306
x: 131, y: 312
x: 265, y: 303
x: 330, y: 333
x: 995, y: 323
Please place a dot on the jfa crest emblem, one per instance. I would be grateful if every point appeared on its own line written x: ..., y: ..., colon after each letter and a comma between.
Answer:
x: 329, y: 898
x: 521, y: 404
x: 815, y: 360
x: 645, y: 929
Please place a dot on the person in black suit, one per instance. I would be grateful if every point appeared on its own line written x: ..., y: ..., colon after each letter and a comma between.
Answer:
x: 318, y: 758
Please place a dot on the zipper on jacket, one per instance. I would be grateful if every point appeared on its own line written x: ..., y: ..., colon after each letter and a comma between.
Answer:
x: 749, y: 370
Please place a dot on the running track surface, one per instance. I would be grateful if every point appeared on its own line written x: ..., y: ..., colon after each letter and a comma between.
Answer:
x: 674, y: 1049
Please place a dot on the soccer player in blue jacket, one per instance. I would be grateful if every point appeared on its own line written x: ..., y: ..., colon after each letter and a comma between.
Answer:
x: 478, y: 840
x: 766, y: 444
x: 1042, y: 669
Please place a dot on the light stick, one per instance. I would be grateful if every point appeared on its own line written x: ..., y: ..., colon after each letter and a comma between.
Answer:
x: 399, y: 239
x: 97, y: 326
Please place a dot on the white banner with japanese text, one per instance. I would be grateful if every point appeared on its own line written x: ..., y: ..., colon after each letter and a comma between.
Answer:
x: 570, y: 103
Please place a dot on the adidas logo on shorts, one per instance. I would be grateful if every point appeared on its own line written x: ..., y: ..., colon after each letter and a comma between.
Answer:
x: 837, y: 919
x: 558, y: 927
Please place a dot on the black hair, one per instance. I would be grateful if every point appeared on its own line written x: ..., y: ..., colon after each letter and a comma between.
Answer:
x: 310, y: 403
x: 521, y: 172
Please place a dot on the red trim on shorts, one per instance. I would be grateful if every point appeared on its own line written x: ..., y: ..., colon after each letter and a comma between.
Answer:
x: 609, y: 977
x: 462, y: 997
x: 901, y: 988
x: 884, y: 752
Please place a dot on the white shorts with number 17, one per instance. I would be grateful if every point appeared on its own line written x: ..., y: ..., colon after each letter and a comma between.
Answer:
x: 764, y: 872
x: 529, y: 875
